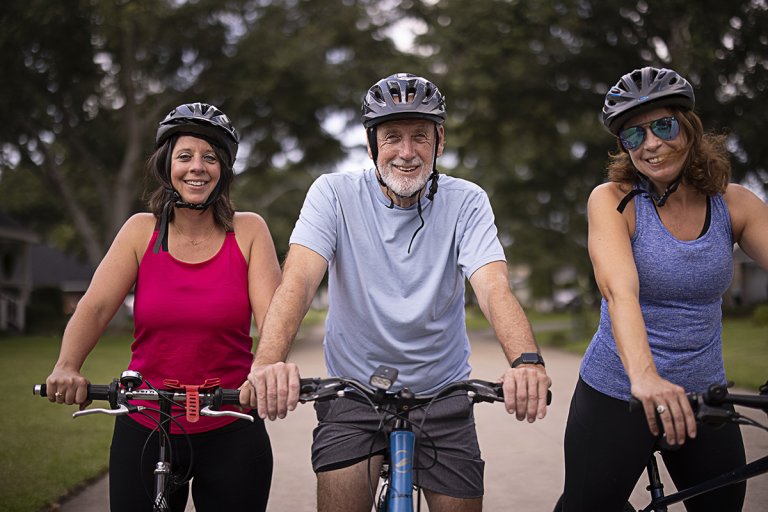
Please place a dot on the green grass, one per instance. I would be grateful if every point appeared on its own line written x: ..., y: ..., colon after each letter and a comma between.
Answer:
x: 745, y: 350
x: 45, y: 454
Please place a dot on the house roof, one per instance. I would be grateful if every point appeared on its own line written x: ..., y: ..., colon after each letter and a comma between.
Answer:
x: 10, y: 229
x: 51, y: 267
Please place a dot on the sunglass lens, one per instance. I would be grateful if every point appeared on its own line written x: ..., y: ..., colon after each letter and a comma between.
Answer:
x: 666, y: 128
x: 632, y: 137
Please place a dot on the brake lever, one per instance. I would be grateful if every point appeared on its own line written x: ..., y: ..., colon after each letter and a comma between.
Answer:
x: 121, y: 410
x: 207, y: 411
x: 483, y: 393
x: 714, y: 416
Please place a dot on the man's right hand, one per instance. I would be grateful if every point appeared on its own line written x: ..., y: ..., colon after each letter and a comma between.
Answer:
x: 275, y: 389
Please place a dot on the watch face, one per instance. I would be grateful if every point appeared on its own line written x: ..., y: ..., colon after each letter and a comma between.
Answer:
x: 530, y: 358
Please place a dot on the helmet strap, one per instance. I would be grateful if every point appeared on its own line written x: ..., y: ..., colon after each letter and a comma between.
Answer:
x: 646, y: 188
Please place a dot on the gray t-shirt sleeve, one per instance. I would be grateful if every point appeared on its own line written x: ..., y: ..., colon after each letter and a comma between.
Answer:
x: 317, y: 223
x: 478, y: 237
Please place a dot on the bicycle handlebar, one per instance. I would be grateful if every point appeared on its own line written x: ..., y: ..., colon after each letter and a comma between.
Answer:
x: 118, y: 395
x: 708, y: 406
x: 215, y: 398
x: 318, y: 390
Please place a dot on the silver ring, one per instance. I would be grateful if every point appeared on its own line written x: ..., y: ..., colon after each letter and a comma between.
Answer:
x: 57, y: 395
x: 661, y: 409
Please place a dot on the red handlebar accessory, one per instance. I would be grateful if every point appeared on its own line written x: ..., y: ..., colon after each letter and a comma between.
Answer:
x: 193, y: 394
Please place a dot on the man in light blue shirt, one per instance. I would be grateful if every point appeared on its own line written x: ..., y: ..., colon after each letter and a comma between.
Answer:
x: 398, y: 241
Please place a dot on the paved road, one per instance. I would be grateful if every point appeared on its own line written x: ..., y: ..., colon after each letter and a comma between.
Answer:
x: 524, y: 462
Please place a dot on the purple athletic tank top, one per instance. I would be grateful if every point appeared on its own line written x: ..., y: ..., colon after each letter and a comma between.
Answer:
x: 681, y: 288
x: 191, y: 323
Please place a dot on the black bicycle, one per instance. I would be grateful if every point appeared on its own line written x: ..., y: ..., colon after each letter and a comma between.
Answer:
x: 396, y: 494
x: 708, y: 409
x: 204, y: 400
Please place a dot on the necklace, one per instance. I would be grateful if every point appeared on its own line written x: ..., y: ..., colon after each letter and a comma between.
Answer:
x: 192, y: 242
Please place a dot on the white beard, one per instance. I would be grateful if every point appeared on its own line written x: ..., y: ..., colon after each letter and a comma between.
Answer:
x: 404, y: 186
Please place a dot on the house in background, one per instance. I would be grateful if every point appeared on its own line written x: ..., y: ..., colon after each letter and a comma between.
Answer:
x: 27, y: 269
x: 53, y: 269
x: 15, y: 273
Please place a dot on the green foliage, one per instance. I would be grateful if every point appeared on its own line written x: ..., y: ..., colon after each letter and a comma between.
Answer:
x: 525, y: 82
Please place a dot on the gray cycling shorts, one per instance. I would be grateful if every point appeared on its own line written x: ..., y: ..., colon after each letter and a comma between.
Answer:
x: 448, y: 455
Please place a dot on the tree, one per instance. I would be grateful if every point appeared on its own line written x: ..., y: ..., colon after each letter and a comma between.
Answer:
x: 88, y: 81
x: 525, y: 82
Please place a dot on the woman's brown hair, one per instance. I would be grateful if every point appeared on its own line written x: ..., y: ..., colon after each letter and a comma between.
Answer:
x: 707, y: 168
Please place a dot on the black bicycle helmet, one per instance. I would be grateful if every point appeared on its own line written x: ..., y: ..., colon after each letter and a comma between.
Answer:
x: 642, y: 90
x: 200, y: 119
x: 403, y: 96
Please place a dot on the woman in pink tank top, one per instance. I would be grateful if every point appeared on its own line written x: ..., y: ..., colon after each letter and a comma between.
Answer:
x: 202, y: 276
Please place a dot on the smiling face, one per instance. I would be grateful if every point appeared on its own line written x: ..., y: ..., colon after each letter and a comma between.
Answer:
x: 658, y: 159
x: 195, y: 169
x: 406, y: 152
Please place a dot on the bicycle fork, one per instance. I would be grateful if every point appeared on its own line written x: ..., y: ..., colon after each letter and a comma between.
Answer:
x: 163, y: 466
x: 655, y: 486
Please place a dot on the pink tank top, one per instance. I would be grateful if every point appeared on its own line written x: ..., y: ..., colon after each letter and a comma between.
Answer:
x: 192, y: 322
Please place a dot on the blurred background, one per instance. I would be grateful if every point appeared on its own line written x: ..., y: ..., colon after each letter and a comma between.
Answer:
x: 85, y: 82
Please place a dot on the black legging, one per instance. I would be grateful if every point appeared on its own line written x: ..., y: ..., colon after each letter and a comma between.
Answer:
x: 232, y: 468
x: 607, y: 448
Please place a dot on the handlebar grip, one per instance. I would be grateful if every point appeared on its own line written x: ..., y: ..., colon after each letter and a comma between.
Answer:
x: 95, y: 391
x: 499, y: 389
x: 230, y: 396
x: 98, y: 391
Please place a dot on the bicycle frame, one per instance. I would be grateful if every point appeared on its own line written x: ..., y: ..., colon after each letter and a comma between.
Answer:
x: 659, y: 501
x: 707, y: 409
x: 402, y: 441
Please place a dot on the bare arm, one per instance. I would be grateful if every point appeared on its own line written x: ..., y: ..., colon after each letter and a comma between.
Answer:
x: 111, y: 283
x: 263, y: 267
x: 616, y: 274
x: 276, y: 383
x: 525, y: 387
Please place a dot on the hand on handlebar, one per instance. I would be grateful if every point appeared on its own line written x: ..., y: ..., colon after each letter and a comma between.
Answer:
x: 274, y: 389
x: 67, y: 387
x: 525, y: 391
x: 667, y: 402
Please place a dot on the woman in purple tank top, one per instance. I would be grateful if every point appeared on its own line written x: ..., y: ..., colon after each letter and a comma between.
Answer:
x: 661, y: 235
x: 202, y: 276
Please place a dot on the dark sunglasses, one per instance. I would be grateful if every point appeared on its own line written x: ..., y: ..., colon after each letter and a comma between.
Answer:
x: 666, y: 128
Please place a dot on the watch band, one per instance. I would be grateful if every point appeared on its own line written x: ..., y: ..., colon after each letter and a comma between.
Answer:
x: 528, y: 358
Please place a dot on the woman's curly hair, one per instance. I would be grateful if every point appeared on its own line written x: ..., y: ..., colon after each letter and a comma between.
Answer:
x: 707, y: 167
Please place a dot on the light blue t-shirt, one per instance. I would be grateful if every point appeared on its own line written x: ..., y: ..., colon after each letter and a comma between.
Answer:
x: 386, y: 305
x: 681, y: 288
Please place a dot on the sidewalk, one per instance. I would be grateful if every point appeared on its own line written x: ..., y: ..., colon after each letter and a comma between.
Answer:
x: 524, y: 462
